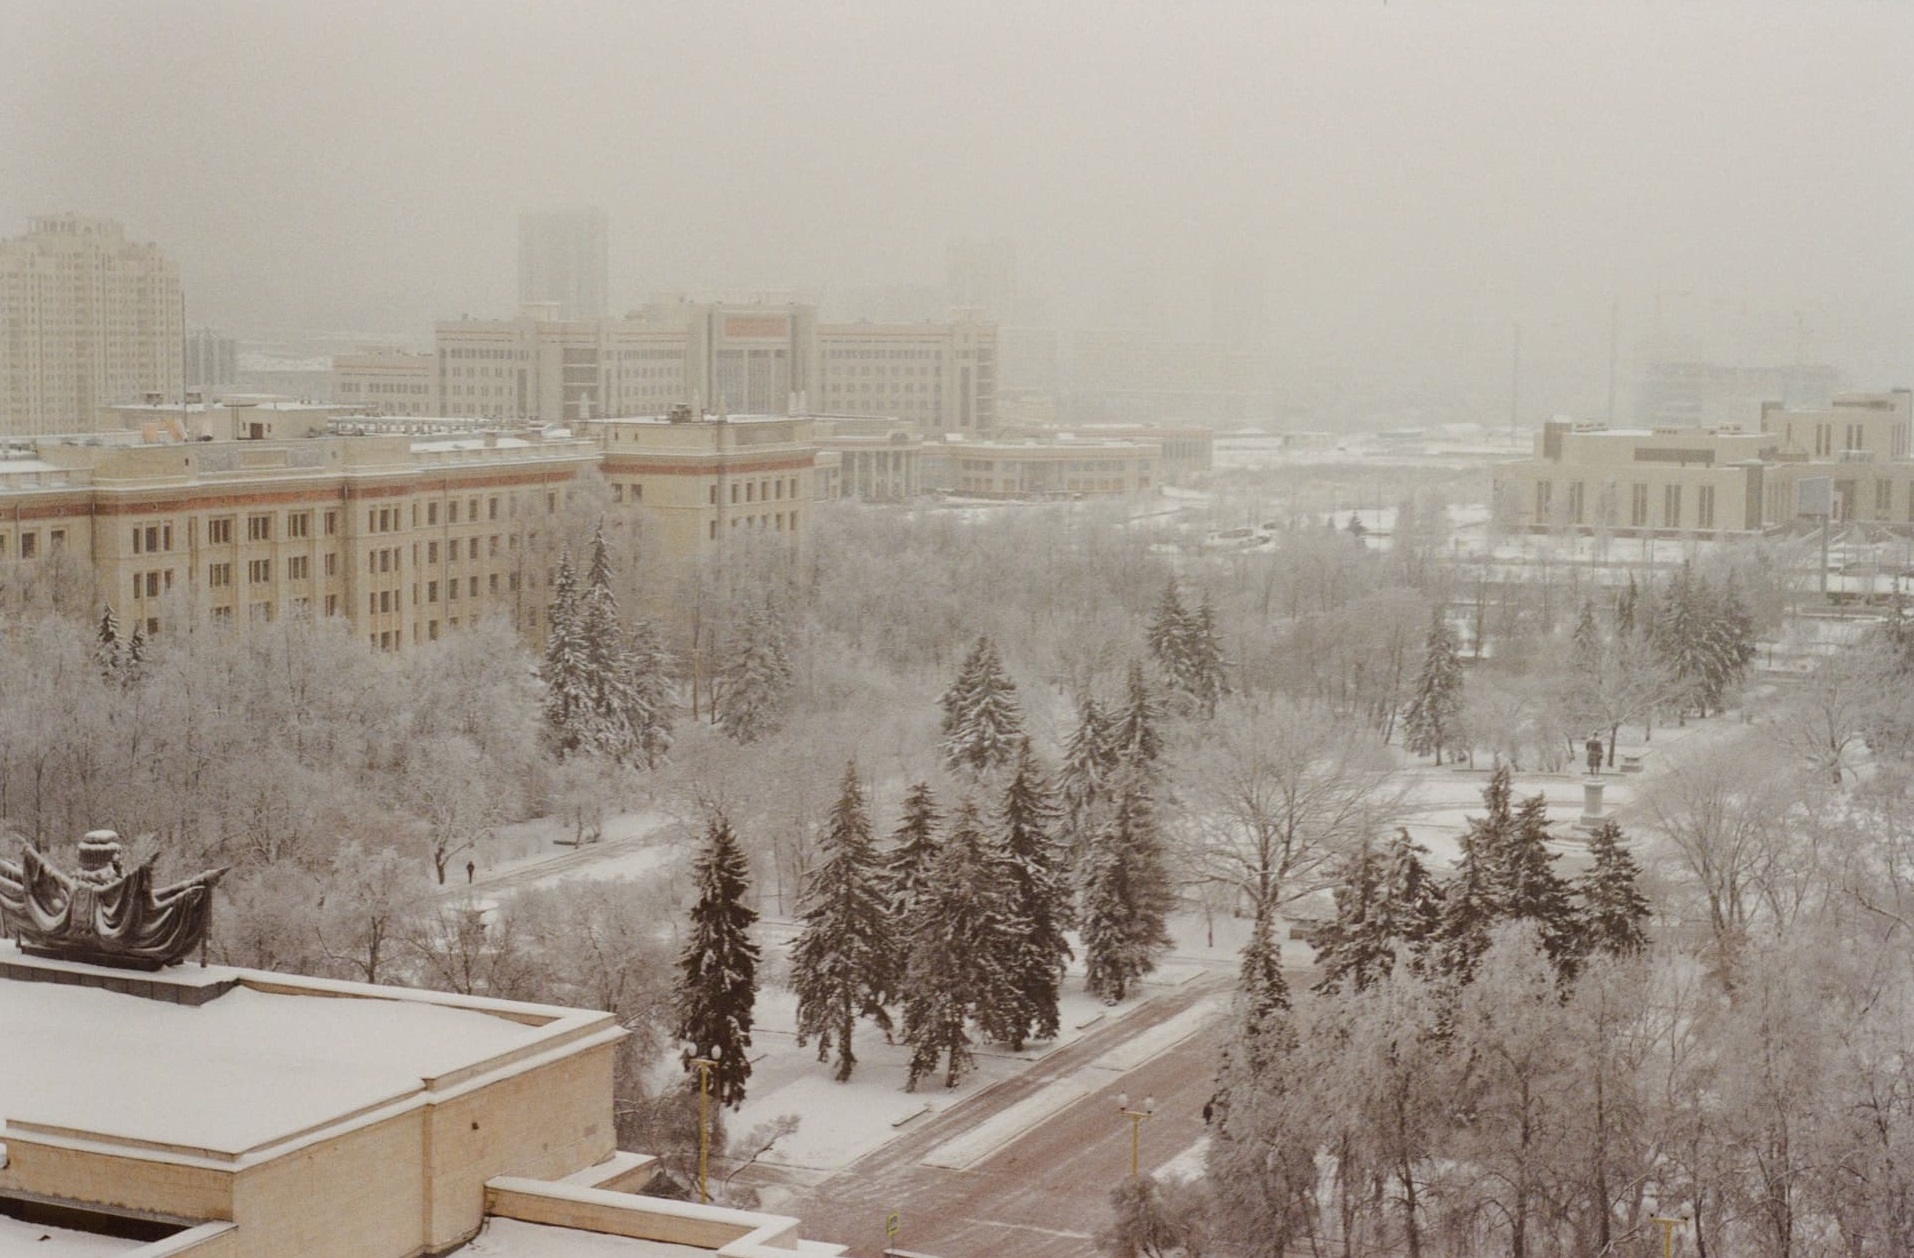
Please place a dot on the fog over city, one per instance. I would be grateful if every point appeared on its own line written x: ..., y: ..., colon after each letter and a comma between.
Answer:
x: 1410, y: 180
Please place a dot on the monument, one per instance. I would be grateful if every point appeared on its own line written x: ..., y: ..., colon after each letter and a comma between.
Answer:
x: 102, y: 914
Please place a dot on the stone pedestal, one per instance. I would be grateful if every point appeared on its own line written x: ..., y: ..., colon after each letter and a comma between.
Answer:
x: 1592, y: 803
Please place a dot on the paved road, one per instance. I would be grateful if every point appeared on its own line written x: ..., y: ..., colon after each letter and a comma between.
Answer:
x: 1046, y: 1193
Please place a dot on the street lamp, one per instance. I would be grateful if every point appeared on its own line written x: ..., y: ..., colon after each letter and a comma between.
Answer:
x: 705, y: 1066
x: 1136, y: 1117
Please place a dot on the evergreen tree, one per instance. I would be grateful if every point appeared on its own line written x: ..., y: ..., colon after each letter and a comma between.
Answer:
x: 1128, y: 895
x: 956, y: 972
x: 1614, y: 912
x: 106, y: 644
x: 1203, y: 654
x: 1039, y: 900
x: 1472, y: 900
x: 611, y: 693
x: 837, y: 964
x: 1262, y: 1000
x: 1169, y: 632
x: 755, y: 681
x: 651, y: 668
x: 1433, y: 723
x: 909, y: 864
x: 1528, y: 888
x: 982, y: 722
x: 1089, y: 759
x: 718, y: 970
x: 568, y: 708
x: 1625, y: 605
x: 1136, y: 739
x: 1351, y: 952
x: 133, y: 664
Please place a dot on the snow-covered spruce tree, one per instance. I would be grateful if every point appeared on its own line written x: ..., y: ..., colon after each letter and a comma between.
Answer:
x: 1472, y: 898
x: 957, y: 969
x: 651, y: 668
x: 908, y: 864
x: 1206, y: 679
x: 569, y: 717
x: 106, y: 644
x: 1433, y: 722
x: 837, y: 964
x: 1614, y: 912
x: 982, y: 722
x: 1169, y: 632
x: 1039, y: 899
x: 1527, y: 888
x: 1128, y: 895
x: 754, y: 683
x: 1352, y: 950
x: 1137, y: 740
x: 718, y: 970
x: 1089, y: 759
x: 1410, y: 901
x: 133, y: 662
x: 610, y: 682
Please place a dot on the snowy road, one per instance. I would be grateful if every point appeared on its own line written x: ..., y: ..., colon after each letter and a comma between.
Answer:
x: 1038, y: 1189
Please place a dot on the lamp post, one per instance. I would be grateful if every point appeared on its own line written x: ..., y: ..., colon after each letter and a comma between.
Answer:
x: 705, y: 1066
x: 1136, y: 1117
x: 1668, y: 1227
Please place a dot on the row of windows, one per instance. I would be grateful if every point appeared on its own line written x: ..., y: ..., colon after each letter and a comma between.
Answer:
x: 30, y: 543
x: 1575, y: 507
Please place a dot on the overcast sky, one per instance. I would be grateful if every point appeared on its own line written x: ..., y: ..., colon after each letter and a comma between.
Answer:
x: 1416, y: 178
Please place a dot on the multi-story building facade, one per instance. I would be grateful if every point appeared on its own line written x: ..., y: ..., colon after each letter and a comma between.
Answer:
x: 403, y: 535
x: 941, y: 377
x: 87, y: 318
x: 387, y: 382
x: 562, y: 258
x: 1681, y: 479
x: 699, y: 481
x: 878, y: 460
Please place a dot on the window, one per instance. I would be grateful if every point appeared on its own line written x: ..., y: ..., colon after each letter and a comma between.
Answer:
x: 220, y: 532
x: 432, y: 513
x: 57, y: 538
x: 260, y: 612
x: 29, y: 545
x: 711, y: 494
x: 258, y: 571
x: 471, y: 548
x: 219, y: 575
x: 332, y: 523
x: 492, y: 581
x: 1544, y: 492
x: 385, y: 600
x: 332, y: 604
x: 431, y: 552
x: 1638, y: 506
x: 637, y: 491
x: 431, y: 591
x: 493, y: 545
x: 1574, y: 502
x: 471, y: 586
x: 299, y: 524
x: 1705, y: 507
x: 298, y: 567
x: 452, y: 591
x: 332, y: 565
x: 152, y: 585
x: 472, y: 514
x: 1671, y: 506
x: 551, y: 504
x: 259, y: 528
x: 617, y: 493
x: 491, y: 508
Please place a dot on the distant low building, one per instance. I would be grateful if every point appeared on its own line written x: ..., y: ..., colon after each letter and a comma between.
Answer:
x: 876, y: 459
x: 1185, y: 450
x: 1045, y: 469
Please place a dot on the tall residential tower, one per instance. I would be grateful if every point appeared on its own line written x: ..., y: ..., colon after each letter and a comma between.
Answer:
x: 87, y: 319
x: 561, y: 260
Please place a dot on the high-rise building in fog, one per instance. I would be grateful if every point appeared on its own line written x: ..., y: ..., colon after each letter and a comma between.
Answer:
x: 982, y: 275
x: 562, y: 260
x: 212, y: 360
x: 87, y: 318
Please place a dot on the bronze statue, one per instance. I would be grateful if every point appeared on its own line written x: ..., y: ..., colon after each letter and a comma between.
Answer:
x: 101, y: 913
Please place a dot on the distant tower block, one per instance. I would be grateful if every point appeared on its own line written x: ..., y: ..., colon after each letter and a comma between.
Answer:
x: 562, y: 259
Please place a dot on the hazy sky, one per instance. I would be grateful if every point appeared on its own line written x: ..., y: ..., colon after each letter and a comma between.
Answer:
x: 1415, y: 177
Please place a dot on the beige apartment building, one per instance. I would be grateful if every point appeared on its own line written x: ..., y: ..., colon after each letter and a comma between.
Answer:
x: 87, y: 318
x: 699, y: 481
x: 1586, y: 476
x: 213, y: 1112
x: 405, y: 536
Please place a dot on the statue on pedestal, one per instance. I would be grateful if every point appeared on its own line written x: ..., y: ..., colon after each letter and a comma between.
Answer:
x: 102, y: 914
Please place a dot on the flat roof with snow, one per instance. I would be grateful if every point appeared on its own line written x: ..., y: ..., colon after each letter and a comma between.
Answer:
x: 271, y: 1060
x: 509, y: 1238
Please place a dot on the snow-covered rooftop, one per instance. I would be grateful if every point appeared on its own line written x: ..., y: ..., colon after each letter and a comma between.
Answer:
x: 19, y: 1239
x: 247, y: 1069
x: 509, y: 1238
